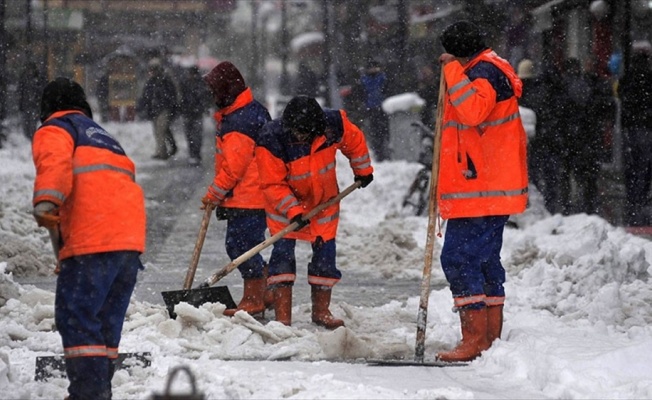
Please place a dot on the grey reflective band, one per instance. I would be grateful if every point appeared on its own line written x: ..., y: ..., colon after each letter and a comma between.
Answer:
x: 327, y: 168
x: 100, y: 167
x: 219, y: 189
x: 491, y: 193
x: 500, y: 121
x: 50, y: 192
x: 275, y: 217
x: 285, y: 203
x: 454, y: 124
x: 463, y: 97
x: 459, y: 86
x: 298, y: 177
x: 328, y: 219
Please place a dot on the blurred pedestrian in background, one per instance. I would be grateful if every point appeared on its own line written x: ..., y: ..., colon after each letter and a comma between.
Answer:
x: 158, y: 103
x: 374, y: 83
x: 635, y: 92
x: 30, y: 88
x: 196, y: 100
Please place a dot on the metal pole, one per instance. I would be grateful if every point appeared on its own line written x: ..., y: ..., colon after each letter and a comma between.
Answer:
x: 326, y: 53
x: 4, y: 42
x: 285, y: 81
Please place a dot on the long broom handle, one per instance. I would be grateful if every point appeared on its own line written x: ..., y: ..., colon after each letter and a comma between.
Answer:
x: 194, y: 260
x: 422, y: 316
x: 273, y: 239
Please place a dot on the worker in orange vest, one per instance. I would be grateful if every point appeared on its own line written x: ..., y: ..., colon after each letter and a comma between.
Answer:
x: 86, y: 191
x: 296, y: 162
x: 482, y: 180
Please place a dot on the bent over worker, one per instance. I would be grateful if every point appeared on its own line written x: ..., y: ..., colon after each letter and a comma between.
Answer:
x: 85, y: 190
x: 482, y: 180
x: 235, y: 189
x: 296, y: 163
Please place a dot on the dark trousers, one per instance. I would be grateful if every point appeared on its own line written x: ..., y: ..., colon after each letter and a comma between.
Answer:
x: 92, y: 296
x: 193, y: 127
x: 470, y: 256
x: 378, y: 134
x: 638, y: 175
x: 322, y: 270
x: 242, y: 234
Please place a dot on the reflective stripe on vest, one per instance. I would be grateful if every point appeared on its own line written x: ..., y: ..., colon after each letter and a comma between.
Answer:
x: 489, y: 193
x: 50, y: 192
x: 102, y: 167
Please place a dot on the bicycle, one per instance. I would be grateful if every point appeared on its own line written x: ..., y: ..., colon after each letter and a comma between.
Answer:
x: 417, y: 196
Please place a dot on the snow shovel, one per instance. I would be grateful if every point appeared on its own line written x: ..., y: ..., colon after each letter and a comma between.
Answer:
x: 422, y: 315
x: 197, y: 297
x: 207, y: 294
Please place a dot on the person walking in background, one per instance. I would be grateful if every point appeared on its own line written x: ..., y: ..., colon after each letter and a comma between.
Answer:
x: 195, y: 101
x: 30, y: 87
x: 374, y: 83
x: 296, y: 163
x: 157, y: 103
x: 533, y: 97
x: 85, y: 190
x: 580, y: 145
x: 635, y: 95
x: 429, y: 91
x: 482, y: 180
x: 235, y: 190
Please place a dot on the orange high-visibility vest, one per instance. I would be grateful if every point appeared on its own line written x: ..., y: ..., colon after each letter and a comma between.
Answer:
x: 84, y: 171
x: 483, y: 168
x: 297, y: 177
x: 236, y: 173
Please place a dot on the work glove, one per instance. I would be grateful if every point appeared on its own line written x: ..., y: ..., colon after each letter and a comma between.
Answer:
x: 299, y: 220
x: 46, y: 214
x: 364, y: 179
x: 207, y: 201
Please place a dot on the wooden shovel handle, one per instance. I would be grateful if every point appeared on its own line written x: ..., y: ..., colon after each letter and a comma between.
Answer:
x: 273, y: 239
x: 192, y: 268
x: 422, y: 315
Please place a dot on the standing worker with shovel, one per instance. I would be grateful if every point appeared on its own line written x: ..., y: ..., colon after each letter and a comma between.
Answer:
x: 482, y: 180
x: 85, y: 193
x: 296, y: 163
x: 235, y: 190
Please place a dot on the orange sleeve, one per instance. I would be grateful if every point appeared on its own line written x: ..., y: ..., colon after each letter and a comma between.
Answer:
x: 471, y: 101
x: 52, y: 151
x: 354, y: 147
x: 236, y: 153
x: 278, y: 194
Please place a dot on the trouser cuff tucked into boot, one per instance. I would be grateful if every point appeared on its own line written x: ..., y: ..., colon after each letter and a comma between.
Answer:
x: 252, y: 297
x: 474, y: 337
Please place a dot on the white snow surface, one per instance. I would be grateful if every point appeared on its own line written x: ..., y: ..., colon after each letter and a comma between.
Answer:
x: 577, y: 315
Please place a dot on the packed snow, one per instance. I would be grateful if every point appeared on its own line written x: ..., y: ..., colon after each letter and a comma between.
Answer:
x: 577, y: 315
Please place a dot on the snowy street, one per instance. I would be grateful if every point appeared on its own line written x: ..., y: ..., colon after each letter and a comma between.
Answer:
x: 577, y: 316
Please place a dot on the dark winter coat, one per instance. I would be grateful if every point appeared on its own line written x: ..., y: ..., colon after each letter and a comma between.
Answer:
x: 635, y: 91
x: 195, y: 97
x: 159, y: 94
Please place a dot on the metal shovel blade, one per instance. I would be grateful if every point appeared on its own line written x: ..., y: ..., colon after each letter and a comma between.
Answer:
x: 197, y: 297
x: 55, y: 366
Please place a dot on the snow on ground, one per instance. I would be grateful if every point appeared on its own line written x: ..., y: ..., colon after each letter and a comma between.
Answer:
x: 577, y: 317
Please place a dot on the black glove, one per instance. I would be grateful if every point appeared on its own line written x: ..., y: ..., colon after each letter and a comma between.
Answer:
x: 299, y: 220
x: 364, y: 180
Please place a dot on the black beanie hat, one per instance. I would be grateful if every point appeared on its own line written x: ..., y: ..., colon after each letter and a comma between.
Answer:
x: 462, y: 39
x: 63, y: 94
x: 305, y: 115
